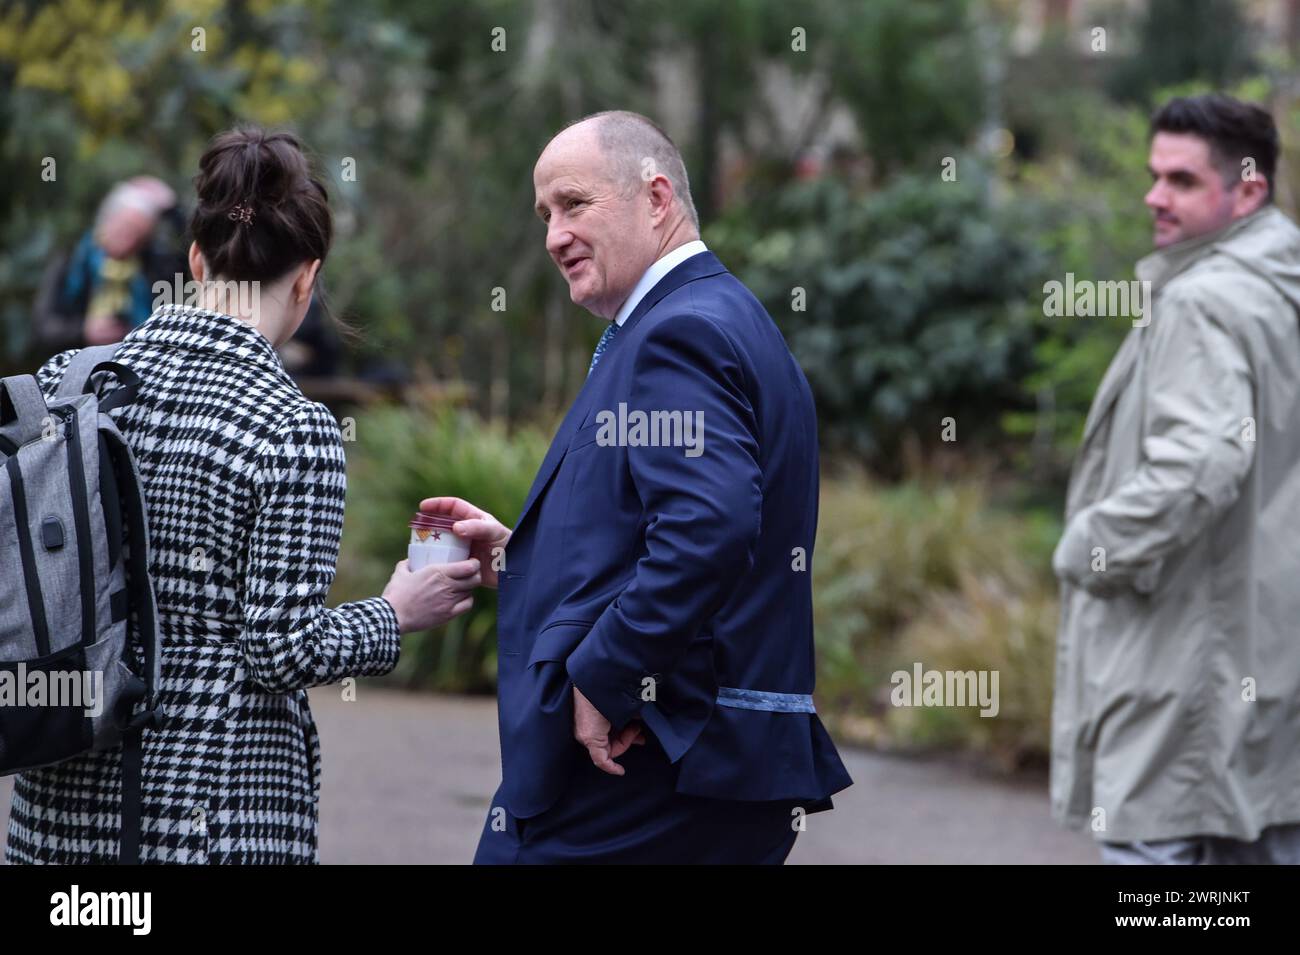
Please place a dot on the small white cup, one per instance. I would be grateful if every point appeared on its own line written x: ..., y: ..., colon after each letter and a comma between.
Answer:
x: 432, y: 542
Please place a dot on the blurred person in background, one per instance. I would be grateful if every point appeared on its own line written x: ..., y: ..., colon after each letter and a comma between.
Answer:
x: 96, y: 295
x: 106, y: 287
x: 1176, y: 726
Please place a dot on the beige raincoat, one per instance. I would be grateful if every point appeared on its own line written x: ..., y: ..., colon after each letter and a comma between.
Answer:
x: 1177, y: 707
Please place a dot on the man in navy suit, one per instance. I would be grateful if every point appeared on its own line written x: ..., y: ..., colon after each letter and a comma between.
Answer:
x: 656, y: 636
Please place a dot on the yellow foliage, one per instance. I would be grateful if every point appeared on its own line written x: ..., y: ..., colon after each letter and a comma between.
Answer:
x: 77, y: 50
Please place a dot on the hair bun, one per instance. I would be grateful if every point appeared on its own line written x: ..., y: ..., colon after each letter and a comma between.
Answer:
x: 261, y: 210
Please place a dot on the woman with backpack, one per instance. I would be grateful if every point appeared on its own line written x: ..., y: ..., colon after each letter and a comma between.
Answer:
x: 243, y: 482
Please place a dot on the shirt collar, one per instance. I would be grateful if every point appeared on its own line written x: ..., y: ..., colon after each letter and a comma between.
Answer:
x: 656, y: 272
x: 200, y: 329
x: 1162, y: 265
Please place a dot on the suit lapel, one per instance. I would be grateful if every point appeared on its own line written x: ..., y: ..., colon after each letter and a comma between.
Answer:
x: 700, y: 266
x: 555, y: 453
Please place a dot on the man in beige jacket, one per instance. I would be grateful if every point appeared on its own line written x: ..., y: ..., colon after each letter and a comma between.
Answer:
x: 1176, y: 722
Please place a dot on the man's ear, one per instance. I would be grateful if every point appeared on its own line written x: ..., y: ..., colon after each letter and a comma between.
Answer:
x: 306, y: 281
x: 661, y: 197
x: 198, y: 268
x: 1252, y: 196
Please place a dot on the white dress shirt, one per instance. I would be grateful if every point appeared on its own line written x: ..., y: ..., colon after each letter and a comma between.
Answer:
x: 656, y: 272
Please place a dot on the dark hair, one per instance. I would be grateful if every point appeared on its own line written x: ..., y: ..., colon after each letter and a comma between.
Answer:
x: 261, y: 210
x: 1234, y: 131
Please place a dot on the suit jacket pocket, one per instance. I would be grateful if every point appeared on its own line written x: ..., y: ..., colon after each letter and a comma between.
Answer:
x: 557, y: 640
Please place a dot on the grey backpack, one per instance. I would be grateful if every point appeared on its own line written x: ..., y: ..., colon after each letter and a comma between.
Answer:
x: 74, y: 580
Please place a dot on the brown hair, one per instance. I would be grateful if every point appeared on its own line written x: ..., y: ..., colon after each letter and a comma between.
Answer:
x: 261, y: 210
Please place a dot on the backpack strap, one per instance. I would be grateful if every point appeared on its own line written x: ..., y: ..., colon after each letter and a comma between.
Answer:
x: 133, y: 789
x: 22, y: 409
x: 76, y: 377
x: 84, y: 367
x: 140, y: 590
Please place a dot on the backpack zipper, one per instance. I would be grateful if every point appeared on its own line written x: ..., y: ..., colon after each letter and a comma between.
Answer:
x: 35, y: 599
x: 81, y: 519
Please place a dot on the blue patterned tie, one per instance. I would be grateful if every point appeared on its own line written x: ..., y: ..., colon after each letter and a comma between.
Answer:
x: 601, y: 345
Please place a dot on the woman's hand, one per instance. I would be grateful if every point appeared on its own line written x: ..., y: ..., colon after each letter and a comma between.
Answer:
x: 429, y: 597
x: 488, y: 537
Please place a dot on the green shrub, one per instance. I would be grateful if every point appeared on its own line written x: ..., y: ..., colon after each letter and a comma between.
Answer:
x: 904, y: 306
x: 985, y: 626
x: 936, y: 575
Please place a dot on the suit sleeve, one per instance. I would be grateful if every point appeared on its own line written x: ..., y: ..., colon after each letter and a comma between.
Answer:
x: 291, y: 639
x: 703, y: 508
x: 1195, y: 456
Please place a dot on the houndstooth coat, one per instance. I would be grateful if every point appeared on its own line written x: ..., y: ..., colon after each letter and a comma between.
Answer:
x: 244, y: 482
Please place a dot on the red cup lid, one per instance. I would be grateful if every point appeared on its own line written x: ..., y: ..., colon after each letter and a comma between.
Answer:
x: 423, y: 521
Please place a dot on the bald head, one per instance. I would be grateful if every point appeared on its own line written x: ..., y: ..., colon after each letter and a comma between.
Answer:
x: 637, y: 149
x: 613, y: 192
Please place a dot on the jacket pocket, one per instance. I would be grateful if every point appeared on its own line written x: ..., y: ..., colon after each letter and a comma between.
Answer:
x: 557, y: 640
x: 39, y: 734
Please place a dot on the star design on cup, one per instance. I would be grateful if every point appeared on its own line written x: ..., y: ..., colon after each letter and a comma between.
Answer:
x: 437, y: 535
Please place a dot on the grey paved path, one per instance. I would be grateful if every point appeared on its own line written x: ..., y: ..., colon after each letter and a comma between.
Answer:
x: 407, y: 778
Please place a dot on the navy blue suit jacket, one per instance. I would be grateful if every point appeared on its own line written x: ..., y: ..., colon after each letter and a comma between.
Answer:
x: 666, y: 583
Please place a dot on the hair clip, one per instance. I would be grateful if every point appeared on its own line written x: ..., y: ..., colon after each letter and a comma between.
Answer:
x: 241, y: 213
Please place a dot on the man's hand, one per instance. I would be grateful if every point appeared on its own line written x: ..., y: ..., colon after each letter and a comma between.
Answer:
x: 487, y: 536
x: 591, y: 729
